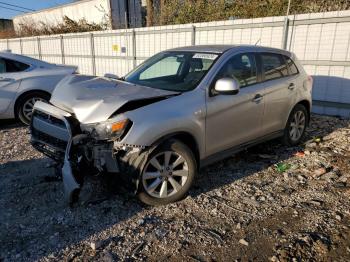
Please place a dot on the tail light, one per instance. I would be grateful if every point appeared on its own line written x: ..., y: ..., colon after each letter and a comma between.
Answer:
x: 308, y: 83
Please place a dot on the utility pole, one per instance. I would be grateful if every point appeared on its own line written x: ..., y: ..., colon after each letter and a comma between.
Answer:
x: 286, y: 27
x: 126, y: 13
x: 288, y: 8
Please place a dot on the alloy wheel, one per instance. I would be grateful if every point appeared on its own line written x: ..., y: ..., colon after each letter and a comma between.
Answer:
x: 165, y: 174
x: 297, y: 126
x: 28, y: 106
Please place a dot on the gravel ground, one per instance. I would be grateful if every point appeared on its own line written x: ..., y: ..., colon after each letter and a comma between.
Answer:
x: 268, y: 203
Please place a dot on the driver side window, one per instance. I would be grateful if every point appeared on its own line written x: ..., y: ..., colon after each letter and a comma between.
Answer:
x: 242, y: 67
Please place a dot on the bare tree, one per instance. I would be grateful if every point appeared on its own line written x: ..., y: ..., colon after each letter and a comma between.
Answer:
x: 150, y: 12
x: 162, y: 6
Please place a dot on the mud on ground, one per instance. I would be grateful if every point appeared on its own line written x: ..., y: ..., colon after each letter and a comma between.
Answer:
x: 268, y: 203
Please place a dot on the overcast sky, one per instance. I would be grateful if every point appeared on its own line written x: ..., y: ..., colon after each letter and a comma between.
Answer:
x: 31, y: 4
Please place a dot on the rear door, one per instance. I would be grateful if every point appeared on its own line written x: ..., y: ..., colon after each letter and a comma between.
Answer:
x: 279, y: 91
x: 233, y: 120
x: 11, y: 72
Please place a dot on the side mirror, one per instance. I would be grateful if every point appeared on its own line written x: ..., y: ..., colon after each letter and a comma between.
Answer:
x: 113, y: 76
x: 227, y: 86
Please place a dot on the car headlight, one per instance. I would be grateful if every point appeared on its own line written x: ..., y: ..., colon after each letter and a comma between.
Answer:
x: 107, y: 130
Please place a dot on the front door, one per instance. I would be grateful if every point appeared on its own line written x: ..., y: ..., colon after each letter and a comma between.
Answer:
x: 233, y: 120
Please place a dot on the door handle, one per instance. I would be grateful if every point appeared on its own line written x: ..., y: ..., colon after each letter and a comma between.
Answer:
x: 291, y: 86
x: 257, y: 98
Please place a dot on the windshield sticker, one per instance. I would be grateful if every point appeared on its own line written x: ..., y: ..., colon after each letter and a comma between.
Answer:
x: 205, y: 56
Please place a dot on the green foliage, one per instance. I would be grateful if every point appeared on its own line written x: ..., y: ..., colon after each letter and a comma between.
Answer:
x: 192, y: 11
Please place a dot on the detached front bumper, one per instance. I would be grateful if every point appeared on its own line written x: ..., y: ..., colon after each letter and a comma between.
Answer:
x: 52, y: 131
x: 57, y: 134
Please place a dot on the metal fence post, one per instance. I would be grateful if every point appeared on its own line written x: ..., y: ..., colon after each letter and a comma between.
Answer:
x: 39, y: 47
x: 21, y: 46
x: 93, y: 59
x: 62, y: 50
x: 193, y: 35
x: 134, y: 62
x: 285, y: 33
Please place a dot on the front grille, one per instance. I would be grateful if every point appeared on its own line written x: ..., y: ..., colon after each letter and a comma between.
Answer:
x: 50, y: 134
x: 50, y: 140
x: 49, y: 118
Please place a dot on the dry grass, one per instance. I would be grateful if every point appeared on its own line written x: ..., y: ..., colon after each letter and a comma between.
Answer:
x: 7, y: 34
x: 31, y: 28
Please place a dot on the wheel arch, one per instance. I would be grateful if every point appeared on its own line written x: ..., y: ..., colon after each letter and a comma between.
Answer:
x: 18, y: 99
x: 307, y: 105
x: 185, y: 137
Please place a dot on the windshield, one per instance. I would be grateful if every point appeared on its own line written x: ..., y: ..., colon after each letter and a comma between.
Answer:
x: 175, y: 71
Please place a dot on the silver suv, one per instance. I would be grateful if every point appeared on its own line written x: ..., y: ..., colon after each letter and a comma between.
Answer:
x: 178, y: 111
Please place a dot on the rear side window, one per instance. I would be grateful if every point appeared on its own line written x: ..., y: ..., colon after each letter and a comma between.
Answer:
x: 293, y: 70
x: 273, y: 66
x: 13, y: 66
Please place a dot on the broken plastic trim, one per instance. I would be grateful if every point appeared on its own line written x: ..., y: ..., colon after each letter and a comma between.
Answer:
x: 71, y: 186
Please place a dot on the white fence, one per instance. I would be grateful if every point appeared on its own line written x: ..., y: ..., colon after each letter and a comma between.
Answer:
x: 320, y: 40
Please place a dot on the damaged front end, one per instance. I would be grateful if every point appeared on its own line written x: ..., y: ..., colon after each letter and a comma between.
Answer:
x: 79, y: 149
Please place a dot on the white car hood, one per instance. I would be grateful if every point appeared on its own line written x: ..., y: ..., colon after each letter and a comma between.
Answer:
x: 94, y: 99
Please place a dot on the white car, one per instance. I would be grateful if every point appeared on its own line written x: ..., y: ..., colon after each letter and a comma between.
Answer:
x: 24, y: 81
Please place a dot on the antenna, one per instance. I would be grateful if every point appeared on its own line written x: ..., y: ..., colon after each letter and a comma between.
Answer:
x: 257, y: 42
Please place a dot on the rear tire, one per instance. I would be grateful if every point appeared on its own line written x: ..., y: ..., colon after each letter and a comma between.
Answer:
x: 25, y: 104
x: 296, y: 125
x: 167, y: 174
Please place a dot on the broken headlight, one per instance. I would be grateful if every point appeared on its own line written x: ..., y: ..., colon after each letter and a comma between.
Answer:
x: 107, y: 130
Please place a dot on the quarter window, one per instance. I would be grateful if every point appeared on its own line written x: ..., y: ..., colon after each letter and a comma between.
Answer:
x: 293, y: 70
x: 11, y: 66
x: 273, y: 66
x: 242, y: 67
x: 2, y: 66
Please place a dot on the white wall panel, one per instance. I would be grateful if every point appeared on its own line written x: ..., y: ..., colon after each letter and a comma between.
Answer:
x: 326, y: 40
x: 299, y: 40
x: 312, y: 42
x: 30, y: 46
x: 80, y: 45
x: 15, y: 45
x: 341, y: 42
x: 118, y: 67
x: 51, y: 59
x: 3, y: 45
x: 50, y: 46
x: 84, y: 64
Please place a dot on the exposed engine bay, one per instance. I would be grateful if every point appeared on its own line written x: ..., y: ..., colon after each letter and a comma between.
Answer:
x: 87, y: 141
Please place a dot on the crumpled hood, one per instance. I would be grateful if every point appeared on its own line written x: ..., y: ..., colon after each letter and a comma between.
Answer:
x: 94, y: 99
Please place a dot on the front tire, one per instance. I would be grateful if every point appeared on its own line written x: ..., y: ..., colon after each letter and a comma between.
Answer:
x: 295, y: 129
x: 25, y: 104
x: 168, y: 174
